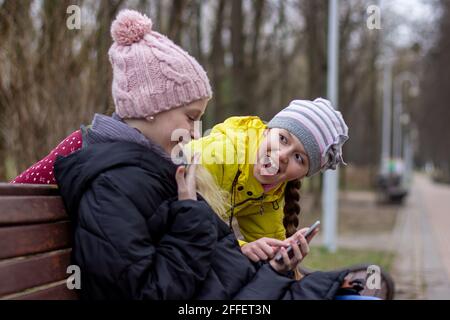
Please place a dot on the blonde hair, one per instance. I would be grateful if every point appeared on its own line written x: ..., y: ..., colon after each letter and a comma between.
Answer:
x: 208, y: 188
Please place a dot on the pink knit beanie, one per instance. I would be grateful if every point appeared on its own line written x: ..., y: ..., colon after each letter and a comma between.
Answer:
x: 151, y: 74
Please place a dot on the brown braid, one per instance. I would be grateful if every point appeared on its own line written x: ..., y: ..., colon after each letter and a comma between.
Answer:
x: 291, y: 207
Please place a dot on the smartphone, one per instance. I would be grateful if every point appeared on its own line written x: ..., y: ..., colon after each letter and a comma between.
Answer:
x: 311, y: 229
x: 290, y: 252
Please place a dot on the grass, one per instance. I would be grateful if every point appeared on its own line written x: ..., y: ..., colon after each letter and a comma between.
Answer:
x: 357, y: 214
x: 10, y: 168
x: 319, y: 258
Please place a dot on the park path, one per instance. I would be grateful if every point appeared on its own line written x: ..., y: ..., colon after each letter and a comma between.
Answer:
x: 421, y: 239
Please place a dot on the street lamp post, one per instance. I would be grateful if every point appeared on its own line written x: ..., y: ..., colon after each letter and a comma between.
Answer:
x: 404, y: 77
x: 387, y: 114
x: 330, y: 179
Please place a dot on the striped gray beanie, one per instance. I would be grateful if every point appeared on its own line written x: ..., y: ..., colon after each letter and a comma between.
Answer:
x: 319, y: 127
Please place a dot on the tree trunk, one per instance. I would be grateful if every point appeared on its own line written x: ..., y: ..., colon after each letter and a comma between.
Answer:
x: 239, y: 102
x: 176, y: 20
x: 217, y: 63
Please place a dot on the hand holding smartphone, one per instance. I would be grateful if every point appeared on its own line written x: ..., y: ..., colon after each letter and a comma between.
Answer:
x: 290, y: 252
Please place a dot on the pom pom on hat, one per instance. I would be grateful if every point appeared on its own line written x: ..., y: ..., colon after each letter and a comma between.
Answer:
x: 130, y: 27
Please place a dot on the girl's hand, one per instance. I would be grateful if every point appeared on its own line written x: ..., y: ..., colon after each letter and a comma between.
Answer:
x: 300, y: 251
x: 187, y: 189
x: 262, y: 249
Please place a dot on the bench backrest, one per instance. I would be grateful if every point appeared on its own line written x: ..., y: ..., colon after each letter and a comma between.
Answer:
x: 35, y: 243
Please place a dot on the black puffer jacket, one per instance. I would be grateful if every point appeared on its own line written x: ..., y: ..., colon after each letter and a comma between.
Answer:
x: 133, y: 239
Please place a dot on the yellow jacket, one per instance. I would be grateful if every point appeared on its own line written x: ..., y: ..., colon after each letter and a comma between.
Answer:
x: 229, y: 153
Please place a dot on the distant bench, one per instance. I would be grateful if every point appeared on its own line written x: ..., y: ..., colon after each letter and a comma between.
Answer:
x: 35, y: 243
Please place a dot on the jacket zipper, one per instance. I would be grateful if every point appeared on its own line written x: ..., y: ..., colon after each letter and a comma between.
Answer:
x: 242, y: 202
x: 233, y: 197
x: 261, y: 209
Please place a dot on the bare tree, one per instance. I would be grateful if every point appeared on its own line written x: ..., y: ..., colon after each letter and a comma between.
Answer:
x: 217, y: 63
x: 432, y: 113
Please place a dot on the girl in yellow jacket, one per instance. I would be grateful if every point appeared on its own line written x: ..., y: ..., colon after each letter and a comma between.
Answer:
x: 261, y: 166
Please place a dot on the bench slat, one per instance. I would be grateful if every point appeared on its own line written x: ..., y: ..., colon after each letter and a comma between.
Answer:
x: 25, y: 240
x: 54, y: 291
x: 12, y: 189
x: 31, y: 209
x: 18, y: 274
x: 35, y: 240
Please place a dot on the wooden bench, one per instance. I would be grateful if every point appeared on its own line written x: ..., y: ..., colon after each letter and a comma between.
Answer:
x: 35, y: 243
